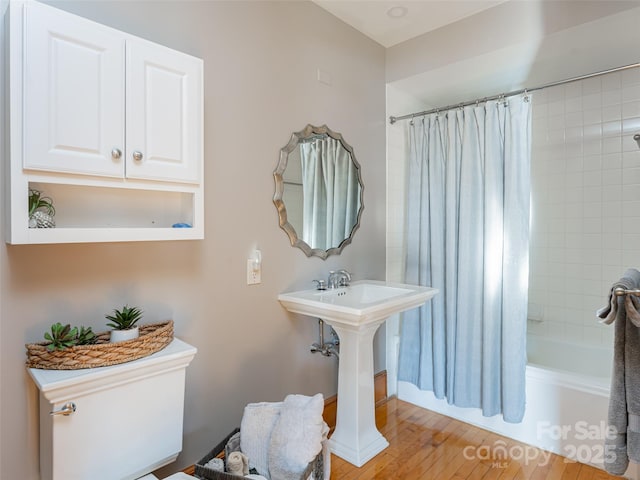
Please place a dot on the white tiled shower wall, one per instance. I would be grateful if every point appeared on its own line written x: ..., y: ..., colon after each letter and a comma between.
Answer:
x: 585, y: 184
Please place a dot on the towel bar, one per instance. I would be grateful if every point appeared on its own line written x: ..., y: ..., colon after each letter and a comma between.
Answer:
x: 619, y: 291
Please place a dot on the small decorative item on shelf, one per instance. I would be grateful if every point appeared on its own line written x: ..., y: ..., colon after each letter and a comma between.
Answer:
x: 41, y: 210
x: 123, y: 323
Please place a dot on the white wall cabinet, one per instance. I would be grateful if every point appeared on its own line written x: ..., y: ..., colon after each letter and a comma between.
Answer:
x: 110, y: 126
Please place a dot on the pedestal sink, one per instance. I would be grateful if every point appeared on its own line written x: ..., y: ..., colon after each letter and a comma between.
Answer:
x: 355, y: 313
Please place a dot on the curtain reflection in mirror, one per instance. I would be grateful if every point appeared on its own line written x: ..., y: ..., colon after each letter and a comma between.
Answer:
x: 331, y: 194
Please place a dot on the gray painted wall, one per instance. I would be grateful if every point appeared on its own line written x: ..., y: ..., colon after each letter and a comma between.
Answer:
x: 261, y: 60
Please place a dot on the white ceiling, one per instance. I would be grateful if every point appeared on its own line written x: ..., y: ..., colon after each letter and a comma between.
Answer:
x: 375, y: 18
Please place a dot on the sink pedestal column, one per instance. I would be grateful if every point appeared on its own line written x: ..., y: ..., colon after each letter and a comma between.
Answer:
x: 356, y: 438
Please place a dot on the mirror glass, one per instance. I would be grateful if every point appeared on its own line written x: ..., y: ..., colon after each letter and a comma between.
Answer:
x: 319, y: 191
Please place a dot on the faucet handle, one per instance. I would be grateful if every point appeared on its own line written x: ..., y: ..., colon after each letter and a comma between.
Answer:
x: 321, y: 284
x: 344, y: 278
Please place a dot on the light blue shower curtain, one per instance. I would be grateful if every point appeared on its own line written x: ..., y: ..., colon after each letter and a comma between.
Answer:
x: 468, y: 235
x: 330, y: 193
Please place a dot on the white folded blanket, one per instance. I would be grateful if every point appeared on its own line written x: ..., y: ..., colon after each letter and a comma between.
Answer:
x: 297, y: 436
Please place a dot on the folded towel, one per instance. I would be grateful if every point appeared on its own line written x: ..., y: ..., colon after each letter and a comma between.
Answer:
x: 297, y: 436
x: 237, y: 464
x: 256, y: 426
x: 216, y: 464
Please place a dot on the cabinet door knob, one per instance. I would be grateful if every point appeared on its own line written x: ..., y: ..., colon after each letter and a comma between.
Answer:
x: 116, y: 154
x: 137, y: 156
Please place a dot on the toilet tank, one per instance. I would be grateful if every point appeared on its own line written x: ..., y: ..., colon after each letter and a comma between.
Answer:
x: 127, y: 421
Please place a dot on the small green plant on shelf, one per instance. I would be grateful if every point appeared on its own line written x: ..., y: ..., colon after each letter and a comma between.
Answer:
x: 86, y: 336
x: 124, y: 319
x: 41, y: 210
x: 63, y: 336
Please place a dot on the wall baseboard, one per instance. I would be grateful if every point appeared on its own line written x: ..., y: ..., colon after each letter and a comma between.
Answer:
x: 331, y: 405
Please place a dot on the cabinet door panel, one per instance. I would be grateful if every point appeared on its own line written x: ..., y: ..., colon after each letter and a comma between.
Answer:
x: 74, y: 93
x: 164, y: 113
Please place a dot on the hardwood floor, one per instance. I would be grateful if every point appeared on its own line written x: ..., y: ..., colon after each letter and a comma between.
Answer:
x: 427, y: 446
x: 424, y: 445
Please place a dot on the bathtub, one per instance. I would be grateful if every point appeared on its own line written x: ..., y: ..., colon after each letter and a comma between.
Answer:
x: 567, y: 402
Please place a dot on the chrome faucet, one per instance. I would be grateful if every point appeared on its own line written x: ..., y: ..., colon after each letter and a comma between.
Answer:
x: 341, y: 278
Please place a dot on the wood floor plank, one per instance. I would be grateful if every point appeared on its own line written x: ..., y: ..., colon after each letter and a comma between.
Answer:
x: 558, y: 465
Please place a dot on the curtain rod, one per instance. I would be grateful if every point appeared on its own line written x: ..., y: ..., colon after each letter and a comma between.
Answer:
x: 393, y: 119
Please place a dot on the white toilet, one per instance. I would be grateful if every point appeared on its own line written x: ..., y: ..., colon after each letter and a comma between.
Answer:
x: 121, y: 423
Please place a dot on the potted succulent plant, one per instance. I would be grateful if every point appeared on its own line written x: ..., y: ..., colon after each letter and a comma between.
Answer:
x: 123, y: 323
x: 41, y: 210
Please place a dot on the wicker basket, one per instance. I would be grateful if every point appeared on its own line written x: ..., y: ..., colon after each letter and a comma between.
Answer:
x: 316, y: 467
x: 153, y: 338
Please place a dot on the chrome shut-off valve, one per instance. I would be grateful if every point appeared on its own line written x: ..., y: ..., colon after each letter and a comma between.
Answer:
x: 326, y: 348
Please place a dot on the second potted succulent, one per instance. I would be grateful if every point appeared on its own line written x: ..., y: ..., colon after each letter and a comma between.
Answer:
x: 123, y: 323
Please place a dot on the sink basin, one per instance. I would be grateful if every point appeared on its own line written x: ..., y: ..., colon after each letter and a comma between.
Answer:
x: 355, y: 313
x: 361, y: 303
